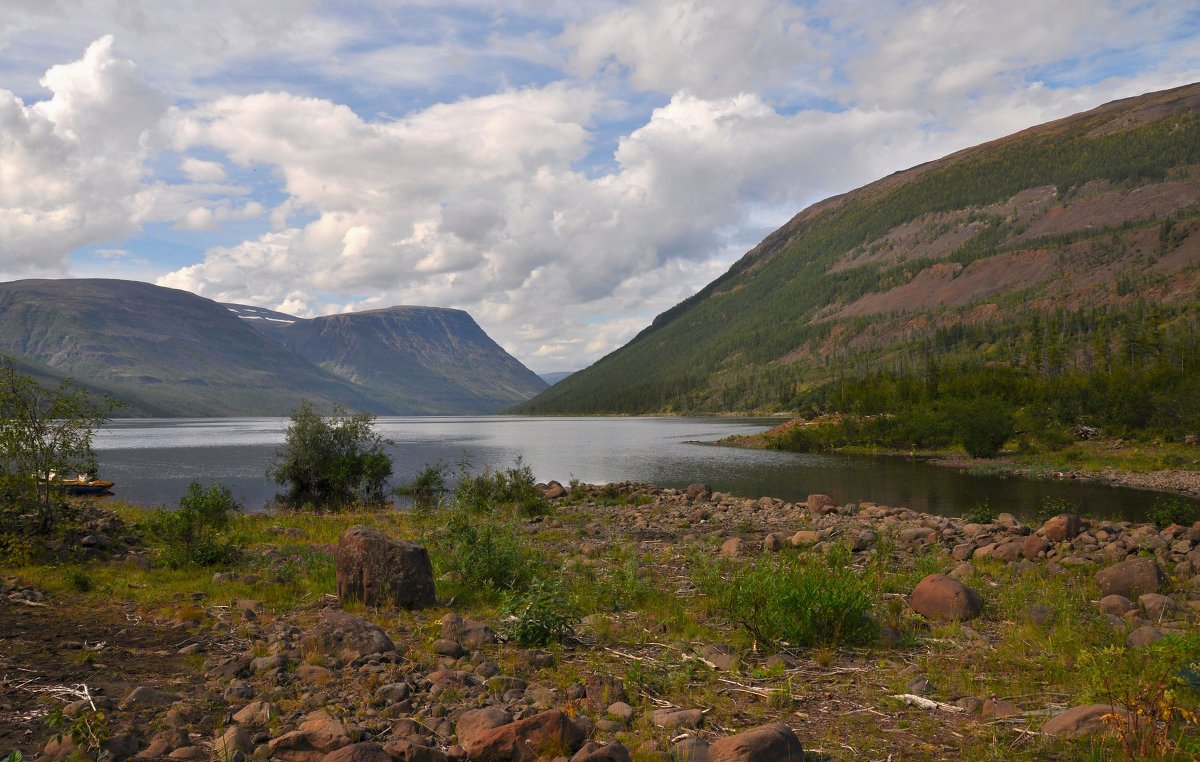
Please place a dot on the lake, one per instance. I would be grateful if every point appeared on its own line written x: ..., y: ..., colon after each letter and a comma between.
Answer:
x: 153, y: 460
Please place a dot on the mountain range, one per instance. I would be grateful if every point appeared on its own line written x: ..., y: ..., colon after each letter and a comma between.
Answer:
x: 165, y: 352
x: 1053, y: 250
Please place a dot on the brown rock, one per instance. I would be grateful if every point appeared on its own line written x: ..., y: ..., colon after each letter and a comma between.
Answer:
x: 603, y: 690
x: 820, y: 503
x: 766, y: 743
x: 677, y: 718
x: 995, y: 709
x: 941, y: 597
x: 1130, y: 578
x: 613, y: 752
x: 1033, y: 546
x: 1064, y: 526
x: 349, y: 636
x: 806, y: 537
x: 1008, y: 551
x: 698, y: 491
x: 1144, y: 636
x: 732, y: 548
x: 1116, y: 604
x: 404, y: 750
x: 256, y: 713
x: 1079, y: 721
x: 554, y: 490
x: 548, y: 734
x: 472, y: 725
x: 469, y: 632
x: 378, y: 570
x: 228, y: 744
x: 358, y: 752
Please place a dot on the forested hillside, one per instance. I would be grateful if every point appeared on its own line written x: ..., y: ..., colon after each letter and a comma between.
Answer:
x: 1060, y: 265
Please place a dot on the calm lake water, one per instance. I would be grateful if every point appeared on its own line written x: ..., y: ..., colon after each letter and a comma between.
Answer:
x: 153, y: 460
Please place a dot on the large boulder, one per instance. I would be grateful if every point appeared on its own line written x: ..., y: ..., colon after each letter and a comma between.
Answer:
x: 1131, y: 578
x: 1064, y: 526
x: 548, y: 734
x: 944, y: 598
x: 379, y: 570
x: 766, y: 743
x: 349, y: 636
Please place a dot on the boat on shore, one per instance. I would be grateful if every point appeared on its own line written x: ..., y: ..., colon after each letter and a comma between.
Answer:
x: 84, y: 486
x: 81, y: 485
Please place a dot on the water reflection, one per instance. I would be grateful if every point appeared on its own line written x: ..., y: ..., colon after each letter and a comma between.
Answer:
x: 152, y: 461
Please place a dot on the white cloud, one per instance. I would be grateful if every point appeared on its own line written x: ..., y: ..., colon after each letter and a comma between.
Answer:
x: 713, y: 48
x: 201, y: 171
x: 73, y: 167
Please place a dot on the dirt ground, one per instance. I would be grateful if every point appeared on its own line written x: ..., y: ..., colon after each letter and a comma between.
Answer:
x: 109, y: 649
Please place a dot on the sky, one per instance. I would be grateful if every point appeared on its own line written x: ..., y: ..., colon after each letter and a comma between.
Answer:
x: 563, y: 171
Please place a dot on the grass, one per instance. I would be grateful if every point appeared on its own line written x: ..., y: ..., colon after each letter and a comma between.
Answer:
x: 648, y: 621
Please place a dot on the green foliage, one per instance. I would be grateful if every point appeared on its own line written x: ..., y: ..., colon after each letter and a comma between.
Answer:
x: 331, y: 462
x: 798, y: 599
x: 984, y: 425
x: 1159, y: 685
x: 540, y: 614
x: 428, y: 487
x: 192, y: 535
x: 13, y: 756
x: 44, y: 434
x: 514, y: 486
x: 484, y: 553
x: 1171, y: 510
x: 983, y: 512
x: 79, y: 580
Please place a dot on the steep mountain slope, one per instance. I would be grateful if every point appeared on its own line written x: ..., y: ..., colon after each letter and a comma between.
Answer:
x: 419, y: 359
x: 1051, y: 249
x: 171, y: 353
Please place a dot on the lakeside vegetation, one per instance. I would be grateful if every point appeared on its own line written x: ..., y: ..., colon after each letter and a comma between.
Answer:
x: 583, y: 581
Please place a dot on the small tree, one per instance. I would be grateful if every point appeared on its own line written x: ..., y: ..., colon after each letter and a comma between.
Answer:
x: 192, y: 534
x: 984, y: 425
x: 45, y: 433
x: 331, y: 461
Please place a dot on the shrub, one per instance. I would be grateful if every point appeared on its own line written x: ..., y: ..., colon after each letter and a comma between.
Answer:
x: 1157, y: 686
x: 539, y: 615
x: 514, y: 486
x: 798, y: 599
x: 984, y: 425
x: 982, y: 513
x: 485, y: 554
x: 192, y: 534
x: 331, y: 461
x: 428, y: 487
x: 44, y: 433
x: 1171, y: 510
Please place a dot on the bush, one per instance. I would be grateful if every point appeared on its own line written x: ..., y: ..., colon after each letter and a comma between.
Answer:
x: 427, y: 488
x: 515, y: 486
x: 983, y: 426
x: 1171, y: 510
x: 798, y: 599
x: 192, y: 534
x: 333, y: 461
x: 1157, y: 686
x: 540, y: 615
x: 484, y: 554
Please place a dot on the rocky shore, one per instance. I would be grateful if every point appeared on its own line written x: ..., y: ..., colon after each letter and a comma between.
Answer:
x: 419, y: 678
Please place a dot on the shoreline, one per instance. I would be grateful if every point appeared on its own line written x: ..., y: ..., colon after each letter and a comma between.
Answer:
x: 1171, y: 481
